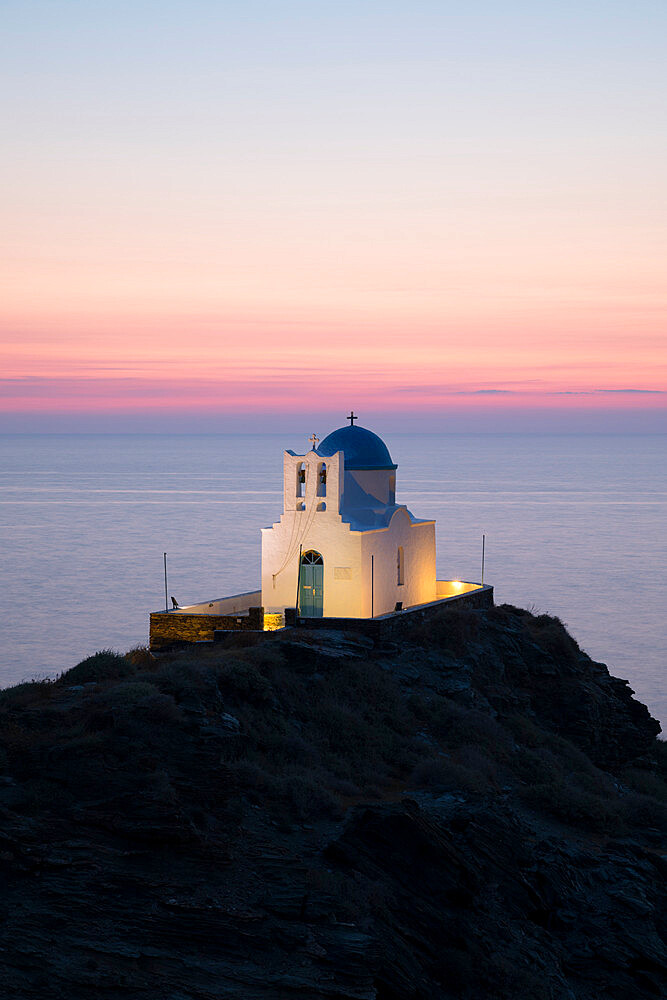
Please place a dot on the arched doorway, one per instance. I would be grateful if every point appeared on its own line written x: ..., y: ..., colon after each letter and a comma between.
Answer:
x: 311, y: 586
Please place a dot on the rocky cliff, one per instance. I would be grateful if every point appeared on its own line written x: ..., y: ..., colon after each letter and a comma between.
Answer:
x: 467, y: 809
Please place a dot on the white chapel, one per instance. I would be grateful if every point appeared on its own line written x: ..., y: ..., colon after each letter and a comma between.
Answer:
x: 343, y: 547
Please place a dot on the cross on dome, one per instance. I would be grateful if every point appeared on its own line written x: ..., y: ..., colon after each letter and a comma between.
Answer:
x: 352, y: 417
x: 314, y: 439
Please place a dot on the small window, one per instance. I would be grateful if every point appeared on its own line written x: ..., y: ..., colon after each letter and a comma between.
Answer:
x: 392, y: 488
x: 301, y: 479
x: 400, y: 567
x: 321, y: 505
x: 322, y: 479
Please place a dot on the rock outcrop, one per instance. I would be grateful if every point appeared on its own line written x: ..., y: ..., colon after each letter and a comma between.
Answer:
x: 470, y: 809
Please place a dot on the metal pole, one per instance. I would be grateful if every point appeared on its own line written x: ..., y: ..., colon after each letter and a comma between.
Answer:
x: 372, y: 586
x: 483, y: 547
x: 298, y: 582
x: 166, y: 591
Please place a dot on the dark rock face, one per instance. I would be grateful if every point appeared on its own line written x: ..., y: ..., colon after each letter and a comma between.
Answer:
x: 471, y: 906
x: 472, y: 811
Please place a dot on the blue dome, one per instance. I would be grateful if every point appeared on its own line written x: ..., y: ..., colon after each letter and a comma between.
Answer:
x: 363, y: 449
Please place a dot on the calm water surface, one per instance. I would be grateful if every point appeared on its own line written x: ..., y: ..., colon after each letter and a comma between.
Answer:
x: 575, y: 527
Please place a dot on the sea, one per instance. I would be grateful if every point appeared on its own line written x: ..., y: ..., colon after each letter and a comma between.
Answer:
x: 574, y: 526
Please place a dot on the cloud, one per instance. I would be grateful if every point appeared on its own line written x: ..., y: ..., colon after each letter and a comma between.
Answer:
x: 602, y: 392
x: 490, y: 392
x: 446, y: 390
x: 644, y: 392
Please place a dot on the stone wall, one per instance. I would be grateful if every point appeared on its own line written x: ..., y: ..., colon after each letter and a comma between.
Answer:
x: 482, y: 597
x: 172, y: 628
x: 169, y: 628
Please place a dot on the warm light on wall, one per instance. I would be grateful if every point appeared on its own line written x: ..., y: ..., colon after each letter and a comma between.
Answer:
x: 273, y: 622
x: 454, y: 588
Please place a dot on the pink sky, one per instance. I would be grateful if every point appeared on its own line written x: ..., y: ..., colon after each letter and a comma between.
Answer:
x: 438, y: 219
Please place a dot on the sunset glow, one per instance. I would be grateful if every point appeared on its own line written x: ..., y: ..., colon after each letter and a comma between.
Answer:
x: 267, y: 210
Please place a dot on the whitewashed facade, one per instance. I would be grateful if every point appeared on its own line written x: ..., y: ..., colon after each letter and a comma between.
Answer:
x: 343, y: 547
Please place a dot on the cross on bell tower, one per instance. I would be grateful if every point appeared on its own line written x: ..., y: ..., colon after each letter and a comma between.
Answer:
x: 352, y: 417
x: 314, y: 439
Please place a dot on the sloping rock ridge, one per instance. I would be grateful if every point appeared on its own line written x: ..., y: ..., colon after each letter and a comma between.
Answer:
x: 470, y: 808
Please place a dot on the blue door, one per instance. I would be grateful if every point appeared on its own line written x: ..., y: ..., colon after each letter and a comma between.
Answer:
x: 311, y: 588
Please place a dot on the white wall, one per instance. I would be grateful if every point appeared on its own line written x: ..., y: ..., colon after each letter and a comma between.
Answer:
x: 223, y: 605
x: 310, y: 528
x: 418, y: 541
x: 340, y: 549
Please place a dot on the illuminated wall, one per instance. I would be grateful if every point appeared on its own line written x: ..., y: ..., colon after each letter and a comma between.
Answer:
x: 357, y: 528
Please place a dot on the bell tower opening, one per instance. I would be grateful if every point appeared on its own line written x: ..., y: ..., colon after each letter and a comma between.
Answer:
x: 301, y: 479
x: 322, y: 479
